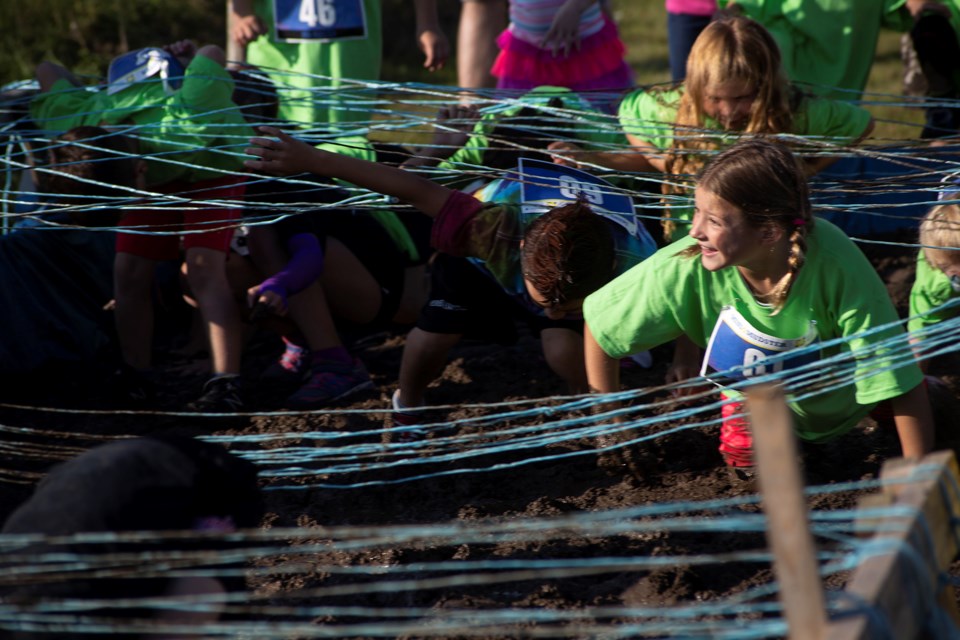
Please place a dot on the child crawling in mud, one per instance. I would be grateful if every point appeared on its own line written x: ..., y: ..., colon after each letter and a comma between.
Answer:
x: 534, y: 267
x: 757, y: 268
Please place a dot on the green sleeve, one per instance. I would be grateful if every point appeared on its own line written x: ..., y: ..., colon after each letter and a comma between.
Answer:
x: 930, y: 290
x: 831, y: 120
x: 648, y: 305
x: 650, y: 115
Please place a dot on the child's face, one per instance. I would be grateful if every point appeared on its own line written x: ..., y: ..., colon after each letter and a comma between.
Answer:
x: 724, y: 236
x: 730, y: 103
x: 948, y: 263
x: 553, y: 310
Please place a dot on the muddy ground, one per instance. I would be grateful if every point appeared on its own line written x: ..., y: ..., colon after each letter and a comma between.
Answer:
x: 683, y: 466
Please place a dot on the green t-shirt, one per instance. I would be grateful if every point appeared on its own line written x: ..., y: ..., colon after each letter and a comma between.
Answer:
x: 589, y: 126
x: 296, y: 67
x: 930, y: 290
x: 668, y: 295
x: 650, y: 116
x: 829, y: 45
x: 195, y: 133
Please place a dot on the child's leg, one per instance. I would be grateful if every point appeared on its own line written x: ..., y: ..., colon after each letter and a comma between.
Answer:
x: 206, y: 273
x: 133, y: 284
x: 352, y: 291
x: 424, y: 356
x: 563, y: 349
x: 206, y: 256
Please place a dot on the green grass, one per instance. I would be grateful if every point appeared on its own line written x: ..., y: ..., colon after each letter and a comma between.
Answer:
x: 85, y: 34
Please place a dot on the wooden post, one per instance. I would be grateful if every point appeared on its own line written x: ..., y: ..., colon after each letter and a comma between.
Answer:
x: 886, y: 584
x: 788, y: 527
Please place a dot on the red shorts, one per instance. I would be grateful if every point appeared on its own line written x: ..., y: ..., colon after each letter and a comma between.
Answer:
x: 192, y: 217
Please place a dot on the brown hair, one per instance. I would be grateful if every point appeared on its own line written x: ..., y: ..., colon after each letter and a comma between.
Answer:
x: 941, y: 228
x: 89, y: 163
x: 733, y: 49
x: 568, y: 253
x: 767, y: 183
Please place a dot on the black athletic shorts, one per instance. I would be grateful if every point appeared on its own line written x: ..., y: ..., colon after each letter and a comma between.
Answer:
x: 465, y: 300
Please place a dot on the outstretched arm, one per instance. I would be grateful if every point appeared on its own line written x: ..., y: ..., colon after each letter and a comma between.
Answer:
x: 639, y: 157
x: 282, y: 155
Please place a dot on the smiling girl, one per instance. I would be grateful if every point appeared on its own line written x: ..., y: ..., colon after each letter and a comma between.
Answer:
x: 757, y: 269
x: 734, y: 86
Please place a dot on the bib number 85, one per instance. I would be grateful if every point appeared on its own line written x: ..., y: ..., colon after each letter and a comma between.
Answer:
x: 318, y: 12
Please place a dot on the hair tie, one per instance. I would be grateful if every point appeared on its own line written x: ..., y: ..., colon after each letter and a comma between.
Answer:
x: 799, y: 222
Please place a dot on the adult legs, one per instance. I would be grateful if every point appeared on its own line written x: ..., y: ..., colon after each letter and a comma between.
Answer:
x: 481, y: 21
x: 682, y: 31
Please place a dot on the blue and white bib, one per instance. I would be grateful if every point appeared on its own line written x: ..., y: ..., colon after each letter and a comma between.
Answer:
x: 739, y: 350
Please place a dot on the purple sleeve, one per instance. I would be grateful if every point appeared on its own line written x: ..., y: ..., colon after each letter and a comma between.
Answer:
x: 305, y: 266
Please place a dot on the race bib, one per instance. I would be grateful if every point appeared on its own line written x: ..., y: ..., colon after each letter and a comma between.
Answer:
x: 545, y: 186
x: 736, y: 343
x: 323, y: 20
x: 141, y: 64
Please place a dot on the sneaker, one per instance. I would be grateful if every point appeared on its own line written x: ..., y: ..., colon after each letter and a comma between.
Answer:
x: 221, y: 394
x: 291, y: 367
x: 330, y: 381
x: 404, y: 423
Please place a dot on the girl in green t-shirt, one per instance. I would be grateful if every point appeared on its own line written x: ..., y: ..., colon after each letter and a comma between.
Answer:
x: 758, y: 277
x: 735, y: 85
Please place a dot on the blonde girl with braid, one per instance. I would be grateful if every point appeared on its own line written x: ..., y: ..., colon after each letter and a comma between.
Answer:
x: 758, y: 276
x: 735, y: 87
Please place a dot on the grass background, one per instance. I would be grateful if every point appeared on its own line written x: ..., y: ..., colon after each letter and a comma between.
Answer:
x: 84, y: 35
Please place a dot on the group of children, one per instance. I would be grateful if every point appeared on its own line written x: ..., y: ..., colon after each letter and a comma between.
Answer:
x: 747, y: 260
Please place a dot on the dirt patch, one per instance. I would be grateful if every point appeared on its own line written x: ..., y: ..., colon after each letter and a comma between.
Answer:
x: 505, y: 485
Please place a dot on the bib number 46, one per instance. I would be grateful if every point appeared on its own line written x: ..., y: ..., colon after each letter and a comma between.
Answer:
x: 318, y: 13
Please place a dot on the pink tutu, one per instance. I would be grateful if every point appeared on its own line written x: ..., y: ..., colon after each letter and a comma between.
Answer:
x: 597, y: 65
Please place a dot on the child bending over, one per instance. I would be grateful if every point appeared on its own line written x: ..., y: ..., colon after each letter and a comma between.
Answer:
x: 758, y: 263
x: 735, y: 85
x: 176, y: 105
x: 538, y: 268
x: 938, y: 268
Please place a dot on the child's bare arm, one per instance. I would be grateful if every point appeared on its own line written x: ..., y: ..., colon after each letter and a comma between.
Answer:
x: 283, y: 155
x: 636, y: 158
x: 603, y: 372
x: 912, y: 415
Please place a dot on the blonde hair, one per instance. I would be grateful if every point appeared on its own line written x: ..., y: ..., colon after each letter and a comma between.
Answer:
x: 941, y: 228
x: 766, y: 181
x: 733, y: 49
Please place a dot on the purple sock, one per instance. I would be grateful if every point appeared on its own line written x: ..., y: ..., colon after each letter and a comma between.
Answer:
x: 336, y: 354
